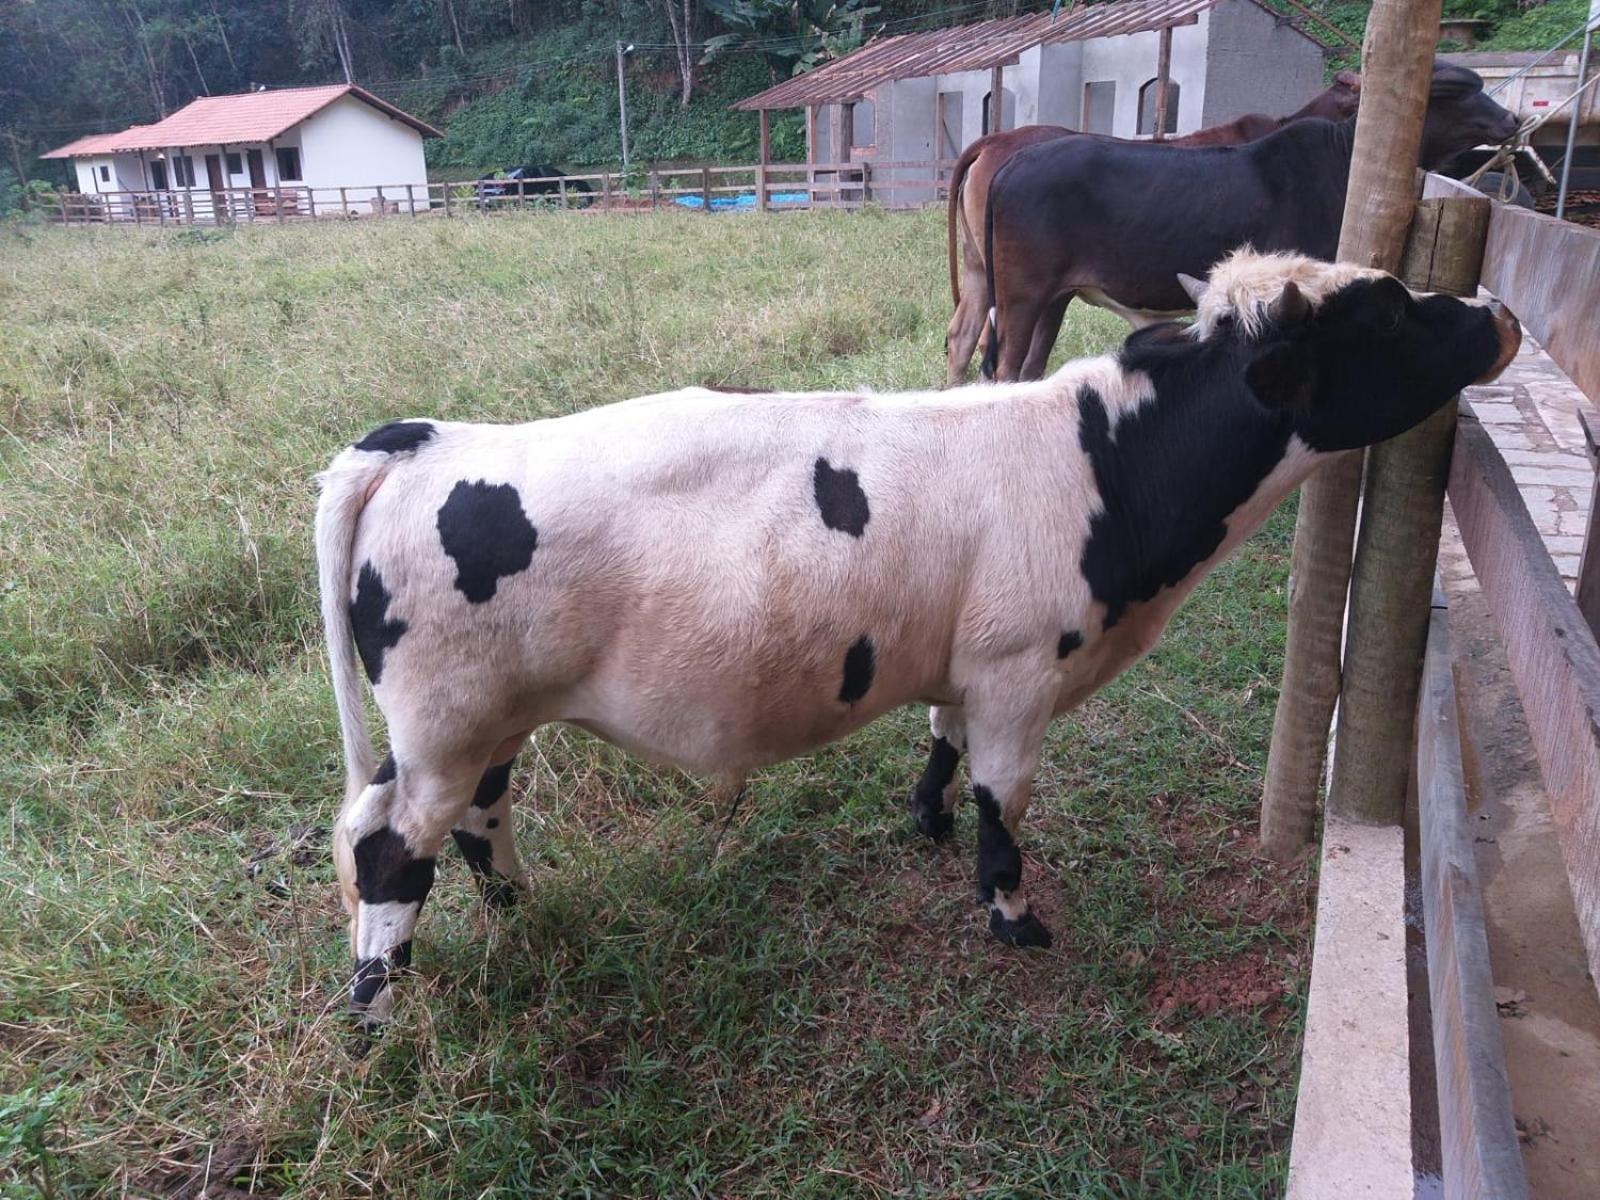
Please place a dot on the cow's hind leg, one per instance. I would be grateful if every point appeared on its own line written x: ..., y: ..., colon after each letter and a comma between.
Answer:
x: 483, y: 834
x: 933, y: 803
x: 1004, y: 740
x: 1010, y: 339
x: 1045, y: 331
x: 385, y: 846
x: 969, y: 320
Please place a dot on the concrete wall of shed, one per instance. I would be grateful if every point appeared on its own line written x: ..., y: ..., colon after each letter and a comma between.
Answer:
x: 1130, y: 63
x: 1257, y: 63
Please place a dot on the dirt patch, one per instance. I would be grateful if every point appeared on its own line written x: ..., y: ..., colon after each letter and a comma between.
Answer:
x: 1246, y: 981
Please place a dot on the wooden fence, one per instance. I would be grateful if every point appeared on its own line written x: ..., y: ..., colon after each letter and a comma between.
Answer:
x: 1548, y: 273
x: 773, y: 186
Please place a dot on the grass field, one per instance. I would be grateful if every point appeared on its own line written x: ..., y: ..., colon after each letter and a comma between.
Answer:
x: 801, y: 1001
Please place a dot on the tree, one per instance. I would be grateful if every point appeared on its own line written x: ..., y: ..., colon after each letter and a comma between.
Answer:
x: 794, y: 35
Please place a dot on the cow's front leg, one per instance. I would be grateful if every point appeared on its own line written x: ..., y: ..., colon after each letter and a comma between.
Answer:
x: 385, y: 847
x: 1004, y: 749
x: 933, y: 803
x: 483, y: 835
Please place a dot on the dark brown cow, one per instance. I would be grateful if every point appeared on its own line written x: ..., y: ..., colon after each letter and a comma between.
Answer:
x: 969, y: 190
x: 1116, y: 223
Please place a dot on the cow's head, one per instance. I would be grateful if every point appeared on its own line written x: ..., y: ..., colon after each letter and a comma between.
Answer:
x: 1460, y: 116
x: 1343, y: 96
x: 1349, y: 354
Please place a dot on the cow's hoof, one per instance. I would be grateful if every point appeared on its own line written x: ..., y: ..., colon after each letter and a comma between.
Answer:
x: 500, y: 893
x: 932, y: 821
x: 1027, y: 932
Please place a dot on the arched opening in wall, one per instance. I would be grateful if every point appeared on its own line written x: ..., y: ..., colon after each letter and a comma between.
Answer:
x: 1147, y: 107
x: 1008, y: 111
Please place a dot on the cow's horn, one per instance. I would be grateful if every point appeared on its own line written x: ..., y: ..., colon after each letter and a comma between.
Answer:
x: 1291, y: 306
x: 1196, y: 288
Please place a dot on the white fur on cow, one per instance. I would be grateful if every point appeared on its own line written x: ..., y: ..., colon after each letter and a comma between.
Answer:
x: 722, y: 581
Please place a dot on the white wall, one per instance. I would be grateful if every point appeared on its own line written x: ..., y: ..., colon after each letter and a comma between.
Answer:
x: 1257, y: 64
x: 1130, y: 62
x: 351, y: 144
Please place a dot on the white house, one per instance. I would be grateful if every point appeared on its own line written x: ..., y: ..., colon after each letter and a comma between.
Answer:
x: 923, y: 96
x: 288, y: 144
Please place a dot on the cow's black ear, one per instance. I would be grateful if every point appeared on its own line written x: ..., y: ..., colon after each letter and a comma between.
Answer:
x: 1283, y: 375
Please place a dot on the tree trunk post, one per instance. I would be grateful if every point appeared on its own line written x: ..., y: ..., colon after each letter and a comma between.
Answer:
x: 1392, y: 583
x: 1397, y: 60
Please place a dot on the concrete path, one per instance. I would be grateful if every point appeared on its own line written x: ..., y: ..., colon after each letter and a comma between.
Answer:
x: 1531, y: 413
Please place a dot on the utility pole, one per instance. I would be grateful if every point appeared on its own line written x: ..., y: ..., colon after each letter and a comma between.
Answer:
x: 1578, y: 102
x: 622, y: 100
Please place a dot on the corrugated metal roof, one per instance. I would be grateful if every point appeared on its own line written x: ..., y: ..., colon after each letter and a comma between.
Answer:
x: 228, y: 120
x: 976, y: 47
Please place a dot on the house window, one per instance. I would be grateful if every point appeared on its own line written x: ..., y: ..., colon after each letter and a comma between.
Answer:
x: 863, y: 115
x: 289, y: 163
x: 183, y: 170
x: 235, y: 165
x: 1147, y: 106
x: 105, y: 174
x: 1099, y: 106
x: 158, y: 176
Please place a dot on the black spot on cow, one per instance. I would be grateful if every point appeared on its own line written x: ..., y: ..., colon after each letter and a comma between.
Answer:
x: 372, y: 974
x: 859, y: 664
x: 386, y: 770
x: 1069, y: 642
x: 492, y: 785
x: 397, y: 437
x: 372, y: 631
x: 476, y: 850
x: 495, y: 888
x: 493, y: 823
x: 999, y: 860
x: 1164, y: 497
x: 1000, y: 869
x: 387, y: 872
x: 840, y: 499
x: 483, y: 528
x: 927, y: 802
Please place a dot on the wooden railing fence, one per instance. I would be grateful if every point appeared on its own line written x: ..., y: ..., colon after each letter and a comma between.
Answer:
x: 773, y: 186
x: 1548, y: 273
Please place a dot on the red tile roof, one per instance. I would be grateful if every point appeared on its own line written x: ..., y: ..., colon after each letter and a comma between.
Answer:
x: 228, y: 120
x: 93, y: 143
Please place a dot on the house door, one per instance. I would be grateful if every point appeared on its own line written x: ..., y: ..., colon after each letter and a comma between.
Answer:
x: 258, y: 177
x: 219, y: 195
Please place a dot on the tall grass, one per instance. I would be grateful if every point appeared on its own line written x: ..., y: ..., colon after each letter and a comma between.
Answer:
x: 797, y: 1002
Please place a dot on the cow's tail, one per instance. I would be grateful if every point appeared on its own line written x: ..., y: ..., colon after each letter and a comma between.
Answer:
x: 991, y: 352
x: 953, y: 219
x: 345, y: 487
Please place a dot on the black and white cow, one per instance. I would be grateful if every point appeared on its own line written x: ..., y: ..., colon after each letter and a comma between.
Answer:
x: 723, y: 581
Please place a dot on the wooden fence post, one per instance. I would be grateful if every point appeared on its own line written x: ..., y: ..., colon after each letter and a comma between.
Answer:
x: 444, y: 192
x: 761, y: 165
x: 1397, y: 58
x: 705, y: 188
x: 383, y: 206
x: 411, y: 200
x: 1392, y: 581
x: 188, y: 207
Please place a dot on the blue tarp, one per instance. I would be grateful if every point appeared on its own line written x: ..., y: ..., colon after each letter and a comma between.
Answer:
x: 747, y: 200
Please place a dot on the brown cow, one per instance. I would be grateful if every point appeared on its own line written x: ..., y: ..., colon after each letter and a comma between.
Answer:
x: 969, y: 190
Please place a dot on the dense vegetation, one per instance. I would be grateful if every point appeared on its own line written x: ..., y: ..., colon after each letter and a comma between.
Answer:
x: 510, y: 80
x: 796, y: 999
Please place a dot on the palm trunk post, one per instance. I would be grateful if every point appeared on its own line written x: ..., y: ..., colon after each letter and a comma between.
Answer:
x: 1397, y: 58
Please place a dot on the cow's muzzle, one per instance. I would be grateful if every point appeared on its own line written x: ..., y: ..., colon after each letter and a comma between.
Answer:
x: 1509, y: 332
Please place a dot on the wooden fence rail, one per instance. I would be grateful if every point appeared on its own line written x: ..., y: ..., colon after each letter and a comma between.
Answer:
x: 771, y: 186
